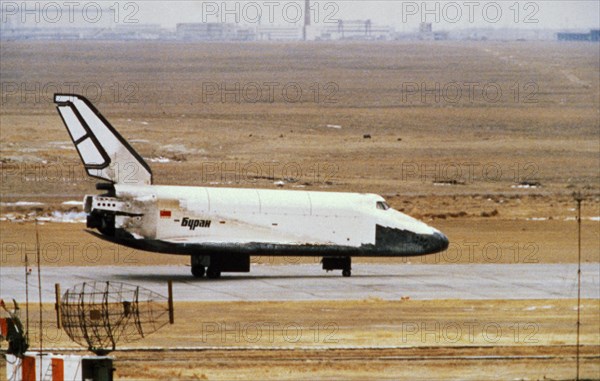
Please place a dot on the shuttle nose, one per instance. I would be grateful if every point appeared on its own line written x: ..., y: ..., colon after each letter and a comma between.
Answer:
x: 439, y: 242
x: 404, y: 241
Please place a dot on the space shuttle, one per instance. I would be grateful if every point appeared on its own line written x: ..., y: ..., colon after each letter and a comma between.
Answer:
x: 221, y: 228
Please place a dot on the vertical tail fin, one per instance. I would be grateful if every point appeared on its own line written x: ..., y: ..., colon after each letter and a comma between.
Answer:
x: 104, y: 153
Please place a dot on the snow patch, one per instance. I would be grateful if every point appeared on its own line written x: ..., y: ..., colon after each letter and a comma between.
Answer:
x: 180, y: 149
x: 160, y: 159
x: 73, y: 202
x: 525, y: 186
x: 66, y: 217
x: 56, y: 216
x: 21, y: 203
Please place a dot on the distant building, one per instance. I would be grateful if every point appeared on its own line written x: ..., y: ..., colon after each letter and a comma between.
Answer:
x: 592, y: 35
x: 48, y: 33
x: 52, y: 22
x: 279, y: 33
x: 569, y: 36
x: 356, y: 30
x: 245, y: 34
x: 440, y: 36
x: 426, y: 31
x: 501, y: 34
x: 206, y: 32
x: 135, y: 32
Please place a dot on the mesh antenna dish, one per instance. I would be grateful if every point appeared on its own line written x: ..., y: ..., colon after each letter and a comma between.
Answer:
x: 99, y: 315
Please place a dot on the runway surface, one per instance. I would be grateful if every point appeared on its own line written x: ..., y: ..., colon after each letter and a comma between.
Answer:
x: 310, y: 282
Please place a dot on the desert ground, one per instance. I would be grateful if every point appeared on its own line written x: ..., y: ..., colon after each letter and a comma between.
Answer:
x: 486, y: 141
x: 424, y: 340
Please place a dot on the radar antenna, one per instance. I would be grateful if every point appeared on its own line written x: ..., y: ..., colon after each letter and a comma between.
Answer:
x: 99, y: 315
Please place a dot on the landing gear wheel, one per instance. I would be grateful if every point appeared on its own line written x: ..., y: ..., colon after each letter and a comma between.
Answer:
x: 213, y: 274
x: 198, y: 271
x: 338, y: 263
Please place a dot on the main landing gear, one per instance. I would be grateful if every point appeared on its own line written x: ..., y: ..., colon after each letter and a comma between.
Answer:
x: 211, y: 266
x: 338, y: 263
x: 201, y: 266
x: 198, y: 271
x: 213, y: 273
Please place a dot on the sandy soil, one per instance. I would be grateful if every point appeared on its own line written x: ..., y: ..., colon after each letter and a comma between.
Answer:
x: 482, y: 147
x: 444, y: 339
x: 421, y: 364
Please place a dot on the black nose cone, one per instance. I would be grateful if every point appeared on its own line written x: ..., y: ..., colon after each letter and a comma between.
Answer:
x: 394, y: 241
x: 437, y: 242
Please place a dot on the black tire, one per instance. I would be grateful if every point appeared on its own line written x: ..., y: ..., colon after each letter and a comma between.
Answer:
x: 213, y: 274
x: 198, y: 271
x: 346, y: 273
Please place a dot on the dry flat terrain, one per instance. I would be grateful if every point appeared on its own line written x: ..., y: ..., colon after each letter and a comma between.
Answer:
x: 425, y: 340
x: 485, y: 140
x: 179, y: 102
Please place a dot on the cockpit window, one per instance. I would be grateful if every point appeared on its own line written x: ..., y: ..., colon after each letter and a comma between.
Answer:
x: 382, y: 205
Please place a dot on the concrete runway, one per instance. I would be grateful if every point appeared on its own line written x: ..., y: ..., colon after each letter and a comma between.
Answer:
x: 310, y: 282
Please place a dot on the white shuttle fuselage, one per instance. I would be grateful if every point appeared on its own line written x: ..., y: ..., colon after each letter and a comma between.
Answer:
x: 220, y: 228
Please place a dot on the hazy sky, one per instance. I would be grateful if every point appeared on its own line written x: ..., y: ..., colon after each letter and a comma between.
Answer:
x: 404, y: 15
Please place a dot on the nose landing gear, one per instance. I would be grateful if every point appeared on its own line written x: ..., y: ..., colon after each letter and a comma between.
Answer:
x: 338, y: 263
